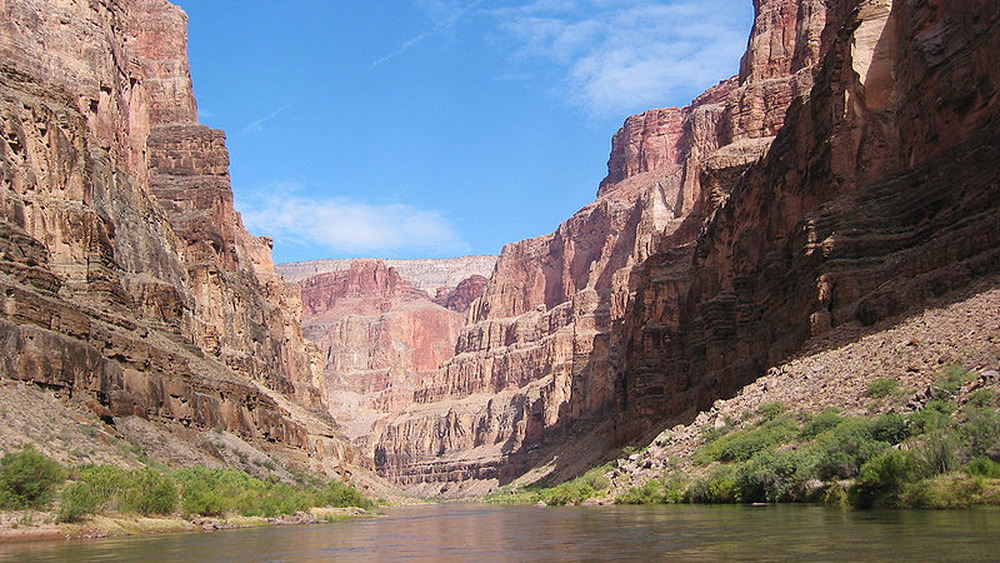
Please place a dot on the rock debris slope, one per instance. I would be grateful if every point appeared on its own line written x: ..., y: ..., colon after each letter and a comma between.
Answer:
x: 127, y: 282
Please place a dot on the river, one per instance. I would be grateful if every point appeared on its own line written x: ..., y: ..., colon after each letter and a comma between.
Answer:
x: 617, y: 533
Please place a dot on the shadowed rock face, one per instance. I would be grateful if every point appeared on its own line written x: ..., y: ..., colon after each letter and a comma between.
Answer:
x: 126, y: 279
x: 843, y: 175
x: 878, y: 193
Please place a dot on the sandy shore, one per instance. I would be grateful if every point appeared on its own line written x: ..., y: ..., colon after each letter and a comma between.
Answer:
x: 41, y: 526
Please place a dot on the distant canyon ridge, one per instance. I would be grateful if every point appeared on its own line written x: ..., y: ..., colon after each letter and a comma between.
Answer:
x: 845, y: 175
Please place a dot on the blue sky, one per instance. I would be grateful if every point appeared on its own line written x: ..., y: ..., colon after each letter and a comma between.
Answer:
x: 436, y: 128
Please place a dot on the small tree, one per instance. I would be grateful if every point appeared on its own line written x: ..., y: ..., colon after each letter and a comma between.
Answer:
x: 28, y: 479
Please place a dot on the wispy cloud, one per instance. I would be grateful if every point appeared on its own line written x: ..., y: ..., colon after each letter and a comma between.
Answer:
x: 623, y: 55
x: 444, y: 12
x: 258, y: 125
x: 347, y: 226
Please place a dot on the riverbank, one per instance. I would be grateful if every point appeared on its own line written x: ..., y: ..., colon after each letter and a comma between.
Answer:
x: 29, y: 526
x: 902, y: 414
x: 41, y: 499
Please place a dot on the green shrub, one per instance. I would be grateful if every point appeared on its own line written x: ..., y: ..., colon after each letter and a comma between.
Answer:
x: 199, y: 498
x: 823, y: 422
x: 570, y: 492
x: 935, y: 453
x: 771, y: 411
x: 855, y: 441
x: 744, y: 444
x: 890, y: 428
x: 882, y: 479
x: 980, y: 431
x: 596, y: 479
x: 78, y: 500
x: 776, y: 476
x: 984, y: 467
x: 28, y: 479
x: 882, y: 387
x: 951, y: 380
x: 214, y: 492
x: 341, y: 495
x: 837, y: 494
x: 948, y: 492
x: 649, y: 493
x: 149, y: 493
x: 107, y: 481
x: 982, y: 398
x: 718, y: 487
x: 936, y: 415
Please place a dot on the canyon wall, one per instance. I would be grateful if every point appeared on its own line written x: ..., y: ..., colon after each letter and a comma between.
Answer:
x: 380, y: 337
x: 842, y: 176
x: 128, y: 282
x: 879, y: 193
x: 429, y: 274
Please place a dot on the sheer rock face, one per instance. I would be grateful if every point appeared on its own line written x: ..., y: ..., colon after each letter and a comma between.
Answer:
x: 460, y: 297
x: 843, y: 175
x: 878, y: 193
x: 127, y: 280
x: 379, y: 338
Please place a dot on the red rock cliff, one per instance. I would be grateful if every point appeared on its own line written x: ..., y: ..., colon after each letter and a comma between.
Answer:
x: 127, y: 279
x: 379, y: 338
x: 878, y: 193
x: 537, y: 363
x: 807, y: 191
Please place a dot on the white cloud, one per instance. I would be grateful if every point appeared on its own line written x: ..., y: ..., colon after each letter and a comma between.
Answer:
x: 444, y: 14
x: 258, y: 125
x: 621, y: 56
x: 347, y: 226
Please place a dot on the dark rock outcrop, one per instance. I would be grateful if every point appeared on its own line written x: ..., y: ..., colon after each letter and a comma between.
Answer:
x: 879, y: 193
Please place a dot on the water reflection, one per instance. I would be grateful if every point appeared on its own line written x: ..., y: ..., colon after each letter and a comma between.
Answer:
x: 644, y: 533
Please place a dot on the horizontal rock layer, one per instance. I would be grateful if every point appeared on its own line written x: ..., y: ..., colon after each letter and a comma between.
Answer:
x: 379, y: 338
x: 427, y: 274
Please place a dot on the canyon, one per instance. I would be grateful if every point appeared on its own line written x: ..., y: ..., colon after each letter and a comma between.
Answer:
x: 845, y: 177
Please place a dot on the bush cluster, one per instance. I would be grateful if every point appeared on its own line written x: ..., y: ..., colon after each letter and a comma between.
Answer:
x: 28, y: 479
x: 941, y: 456
x: 214, y: 492
x: 589, y: 485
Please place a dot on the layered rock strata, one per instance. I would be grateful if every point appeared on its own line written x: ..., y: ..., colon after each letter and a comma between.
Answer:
x: 379, y: 338
x: 428, y: 274
x: 878, y: 194
x: 128, y: 282
x: 843, y: 175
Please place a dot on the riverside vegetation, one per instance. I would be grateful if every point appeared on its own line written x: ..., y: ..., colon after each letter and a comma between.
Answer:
x: 32, y: 481
x: 943, y: 455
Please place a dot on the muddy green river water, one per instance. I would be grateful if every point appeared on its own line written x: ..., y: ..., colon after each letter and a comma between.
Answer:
x: 625, y: 533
